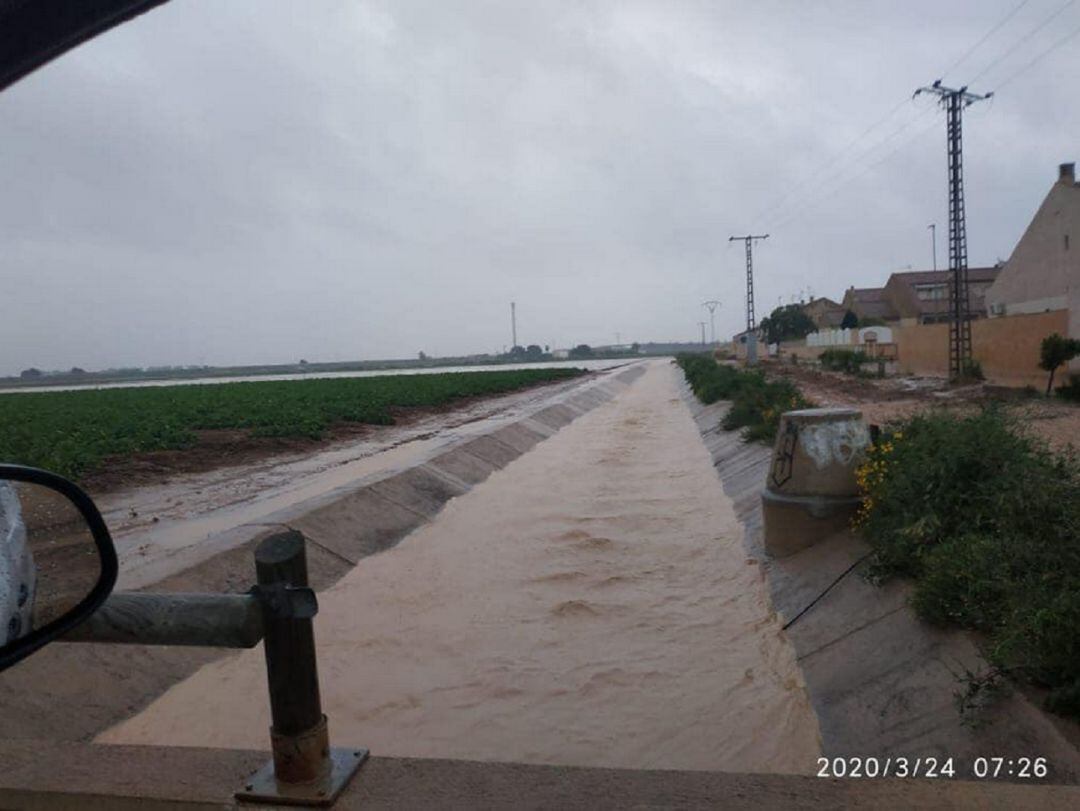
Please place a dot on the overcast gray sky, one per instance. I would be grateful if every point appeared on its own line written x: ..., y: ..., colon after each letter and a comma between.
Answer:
x: 259, y: 181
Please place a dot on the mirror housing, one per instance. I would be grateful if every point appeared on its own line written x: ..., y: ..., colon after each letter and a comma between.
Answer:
x: 22, y: 646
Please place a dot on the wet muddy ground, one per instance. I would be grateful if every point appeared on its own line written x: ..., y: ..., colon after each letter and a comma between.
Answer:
x: 891, y: 400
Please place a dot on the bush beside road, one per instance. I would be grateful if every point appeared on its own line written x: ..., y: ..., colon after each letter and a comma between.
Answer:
x: 986, y: 520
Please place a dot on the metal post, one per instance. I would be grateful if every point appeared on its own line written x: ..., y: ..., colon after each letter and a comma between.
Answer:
x: 751, y: 345
x: 960, y: 350
x: 933, y: 242
x: 206, y: 620
x: 304, y: 769
x: 299, y: 735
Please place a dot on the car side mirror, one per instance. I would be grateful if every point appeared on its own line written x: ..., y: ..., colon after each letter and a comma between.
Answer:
x: 57, y: 560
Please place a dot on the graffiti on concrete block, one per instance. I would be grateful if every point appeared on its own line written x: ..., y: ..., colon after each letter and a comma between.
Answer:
x: 839, y: 442
x: 784, y: 460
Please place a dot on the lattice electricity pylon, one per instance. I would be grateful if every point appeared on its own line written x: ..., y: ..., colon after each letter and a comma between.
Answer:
x: 954, y: 102
x: 749, y: 240
x: 711, y: 306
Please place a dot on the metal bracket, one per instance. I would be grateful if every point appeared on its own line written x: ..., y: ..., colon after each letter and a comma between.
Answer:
x: 288, y: 602
x: 264, y: 787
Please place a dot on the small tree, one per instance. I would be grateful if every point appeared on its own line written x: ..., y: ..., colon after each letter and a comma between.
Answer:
x: 534, y: 352
x: 581, y: 351
x: 1055, y: 350
x: 851, y: 321
x: 787, y: 323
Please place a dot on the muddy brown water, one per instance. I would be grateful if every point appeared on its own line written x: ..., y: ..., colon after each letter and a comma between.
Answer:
x: 591, y: 604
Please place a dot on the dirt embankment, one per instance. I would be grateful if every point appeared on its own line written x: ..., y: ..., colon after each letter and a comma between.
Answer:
x: 893, y: 399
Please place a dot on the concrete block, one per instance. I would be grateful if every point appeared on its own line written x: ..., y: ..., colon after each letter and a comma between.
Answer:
x: 491, y: 450
x: 519, y: 437
x: 464, y: 465
x: 418, y: 490
x: 556, y: 416
x: 358, y: 525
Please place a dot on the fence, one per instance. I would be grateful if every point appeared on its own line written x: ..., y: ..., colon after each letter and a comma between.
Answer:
x: 1007, y: 348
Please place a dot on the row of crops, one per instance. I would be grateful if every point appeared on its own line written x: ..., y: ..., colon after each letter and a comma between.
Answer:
x: 73, y: 432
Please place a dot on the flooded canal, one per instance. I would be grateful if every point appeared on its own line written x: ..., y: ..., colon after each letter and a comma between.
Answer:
x: 591, y: 604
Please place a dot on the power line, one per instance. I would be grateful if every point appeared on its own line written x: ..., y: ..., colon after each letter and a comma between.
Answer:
x: 1040, y: 57
x: 795, y: 199
x: 841, y: 181
x: 851, y: 179
x: 792, y: 204
x: 984, y: 38
x: 1011, y: 50
x: 813, y: 175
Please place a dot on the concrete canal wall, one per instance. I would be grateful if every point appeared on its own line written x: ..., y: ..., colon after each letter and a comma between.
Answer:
x: 881, y: 681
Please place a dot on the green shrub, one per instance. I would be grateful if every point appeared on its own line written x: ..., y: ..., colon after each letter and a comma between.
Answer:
x: 986, y: 520
x: 756, y: 403
x: 972, y: 370
x: 1071, y: 390
x: 849, y: 361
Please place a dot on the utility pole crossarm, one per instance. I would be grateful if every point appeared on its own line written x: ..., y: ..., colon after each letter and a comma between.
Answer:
x: 962, y: 94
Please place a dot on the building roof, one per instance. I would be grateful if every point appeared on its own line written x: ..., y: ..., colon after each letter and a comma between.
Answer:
x: 1043, y: 272
x: 870, y: 302
x: 824, y: 311
x: 902, y: 291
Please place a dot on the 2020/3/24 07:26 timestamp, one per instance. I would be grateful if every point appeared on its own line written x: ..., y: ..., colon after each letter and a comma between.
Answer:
x: 932, y: 767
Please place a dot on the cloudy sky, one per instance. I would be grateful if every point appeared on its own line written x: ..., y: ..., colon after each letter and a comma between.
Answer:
x: 259, y: 181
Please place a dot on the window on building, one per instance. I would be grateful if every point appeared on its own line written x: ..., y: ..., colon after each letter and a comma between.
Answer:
x: 930, y: 292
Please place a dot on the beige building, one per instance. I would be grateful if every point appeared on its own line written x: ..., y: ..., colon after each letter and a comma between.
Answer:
x: 1043, y: 273
x: 918, y: 297
x: 824, y: 312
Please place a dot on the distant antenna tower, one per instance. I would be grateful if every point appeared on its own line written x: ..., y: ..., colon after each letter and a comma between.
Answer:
x: 711, y: 307
x: 513, y: 323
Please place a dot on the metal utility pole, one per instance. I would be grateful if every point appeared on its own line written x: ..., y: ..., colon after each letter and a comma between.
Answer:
x: 954, y: 102
x: 702, y: 325
x: 749, y: 240
x: 751, y: 345
x: 933, y: 242
x: 711, y: 306
x: 513, y: 324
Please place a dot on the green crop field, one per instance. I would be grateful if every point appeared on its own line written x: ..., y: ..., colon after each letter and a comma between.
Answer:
x: 72, y: 432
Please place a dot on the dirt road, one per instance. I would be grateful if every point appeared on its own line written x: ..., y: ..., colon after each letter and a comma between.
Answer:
x: 891, y: 400
x: 590, y: 604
